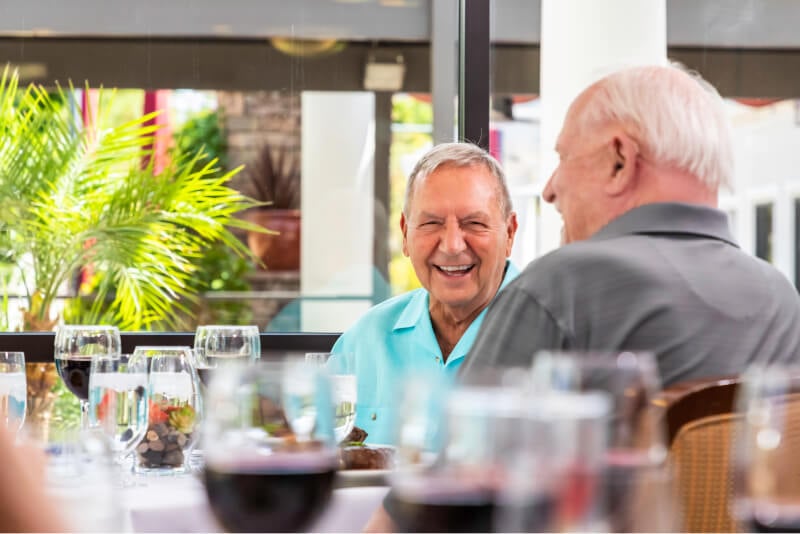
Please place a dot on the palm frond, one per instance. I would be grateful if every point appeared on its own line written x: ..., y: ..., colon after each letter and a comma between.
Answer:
x: 76, y: 195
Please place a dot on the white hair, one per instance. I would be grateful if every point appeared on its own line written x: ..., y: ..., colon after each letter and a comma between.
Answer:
x: 459, y: 155
x: 677, y: 117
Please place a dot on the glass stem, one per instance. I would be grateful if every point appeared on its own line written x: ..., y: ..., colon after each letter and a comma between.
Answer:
x: 84, y: 414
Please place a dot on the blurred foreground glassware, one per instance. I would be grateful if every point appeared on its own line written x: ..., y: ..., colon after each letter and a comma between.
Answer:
x: 81, y: 477
x: 473, y: 458
x: 118, y: 402
x: 74, y: 347
x: 766, y: 465
x: 269, y: 445
x: 173, y: 409
x: 345, y: 388
x: 637, y: 475
x: 13, y: 390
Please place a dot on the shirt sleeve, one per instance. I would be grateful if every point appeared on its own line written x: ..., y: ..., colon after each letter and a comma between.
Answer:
x: 338, y: 363
x: 515, y: 328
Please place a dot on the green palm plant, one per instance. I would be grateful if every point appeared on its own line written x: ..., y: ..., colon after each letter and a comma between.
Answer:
x: 75, y: 195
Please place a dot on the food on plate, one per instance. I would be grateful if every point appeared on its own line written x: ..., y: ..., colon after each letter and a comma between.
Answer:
x: 355, y: 454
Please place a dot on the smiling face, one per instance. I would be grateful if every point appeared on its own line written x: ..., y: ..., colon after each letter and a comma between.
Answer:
x: 457, y: 237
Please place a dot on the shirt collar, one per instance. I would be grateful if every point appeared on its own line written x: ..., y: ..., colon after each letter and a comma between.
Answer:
x: 669, y: 218
x: 417, y: 308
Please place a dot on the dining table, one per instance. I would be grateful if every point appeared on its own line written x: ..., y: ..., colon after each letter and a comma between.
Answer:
x: 178, y: 503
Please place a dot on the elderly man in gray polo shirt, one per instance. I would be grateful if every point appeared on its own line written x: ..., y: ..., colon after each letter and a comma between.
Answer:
x: 648, y: 262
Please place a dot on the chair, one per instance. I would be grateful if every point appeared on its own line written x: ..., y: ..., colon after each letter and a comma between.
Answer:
x: 701, y: 423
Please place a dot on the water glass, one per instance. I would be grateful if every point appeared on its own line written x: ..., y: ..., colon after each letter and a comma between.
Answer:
x: 13, y: 390
x: 118, y: 403
x: 345, y: 389
x: 81, y: 478
x: 173, y: 409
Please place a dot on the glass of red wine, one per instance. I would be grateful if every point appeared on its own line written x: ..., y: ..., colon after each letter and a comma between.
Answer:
x: 74, y: 347
x: 766, y: 470
x: 453, y: 444
x: 635, y: 460
x: 270, y: 455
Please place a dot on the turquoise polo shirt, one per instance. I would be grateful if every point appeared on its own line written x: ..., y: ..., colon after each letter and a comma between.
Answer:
x: 393, y: 339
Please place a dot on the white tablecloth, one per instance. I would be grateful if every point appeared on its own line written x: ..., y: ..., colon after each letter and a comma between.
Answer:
x: 179, y: 504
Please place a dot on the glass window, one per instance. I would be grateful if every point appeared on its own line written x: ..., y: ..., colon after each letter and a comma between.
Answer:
x: 327, y: 105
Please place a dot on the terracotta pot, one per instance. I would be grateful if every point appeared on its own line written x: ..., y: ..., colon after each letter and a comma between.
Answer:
x: 278, y: 252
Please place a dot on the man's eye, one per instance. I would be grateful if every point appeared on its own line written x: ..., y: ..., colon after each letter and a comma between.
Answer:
x: 476, y: 224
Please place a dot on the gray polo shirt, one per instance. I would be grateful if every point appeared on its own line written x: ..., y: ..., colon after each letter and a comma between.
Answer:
x: 668, y: 278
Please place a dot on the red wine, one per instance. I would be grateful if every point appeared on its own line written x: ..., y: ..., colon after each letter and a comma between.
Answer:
x: 267, y: 500
x: 75, y: 374
x: 456, y: 513
x: 626, y: 472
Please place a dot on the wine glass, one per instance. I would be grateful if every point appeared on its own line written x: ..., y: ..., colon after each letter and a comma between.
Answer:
x: 13, y: 390
x: 269, y: 445
x: 766, y: 470
x: 345, y: 390
x: 174, y: 409
x: 118, y: 403
x: 223, y: 343
x: 75, y: 345
x: 636, y: 455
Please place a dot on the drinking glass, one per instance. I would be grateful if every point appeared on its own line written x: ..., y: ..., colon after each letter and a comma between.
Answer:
x: 81, y: 478
x: 636, y: 456
x: 766, y: 469
x: 118, y: 403
x: 222, y: 343
x: 269, y: 445
x: 13, y: 390
x: 173, y: 409
x: 345, y: 389
x: 75, y: 345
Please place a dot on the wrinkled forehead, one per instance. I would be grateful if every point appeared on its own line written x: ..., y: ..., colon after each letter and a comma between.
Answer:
x: 473, y: 178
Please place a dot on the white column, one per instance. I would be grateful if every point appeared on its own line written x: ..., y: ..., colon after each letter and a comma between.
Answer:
x: 338, y: 136
x: 582, y: 40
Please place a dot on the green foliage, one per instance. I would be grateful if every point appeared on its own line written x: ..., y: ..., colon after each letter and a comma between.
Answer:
x: 219, y: 268
x: 411, y: 111
x: 74, y: 196
x: 203, y: 131
x: 66, y: 409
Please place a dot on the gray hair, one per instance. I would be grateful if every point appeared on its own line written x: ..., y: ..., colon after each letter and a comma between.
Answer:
x: 677, y: 117
x: 459, y: 155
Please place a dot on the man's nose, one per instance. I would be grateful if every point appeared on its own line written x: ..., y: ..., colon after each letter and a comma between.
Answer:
x: 548, y: 194
x: 452, y: 241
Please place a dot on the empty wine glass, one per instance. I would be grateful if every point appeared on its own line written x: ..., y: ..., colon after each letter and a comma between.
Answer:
x: 260, y: 476
x: 223, y: 343
x: 766, y: 470
x: 75, y: 345
x: 118, y: 403
x: 13, y: 390
x: 635, y: 460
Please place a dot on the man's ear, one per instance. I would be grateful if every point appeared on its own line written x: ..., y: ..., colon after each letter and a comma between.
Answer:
x: 511, y: 231
x: 624, y: 158
x: 404, y: 229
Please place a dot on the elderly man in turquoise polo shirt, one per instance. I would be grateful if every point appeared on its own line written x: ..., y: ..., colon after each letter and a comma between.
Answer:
x: 458, y: 229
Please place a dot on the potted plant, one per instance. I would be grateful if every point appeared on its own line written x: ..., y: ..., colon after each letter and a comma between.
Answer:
x: 274, y: 179
x: 80, y: 196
